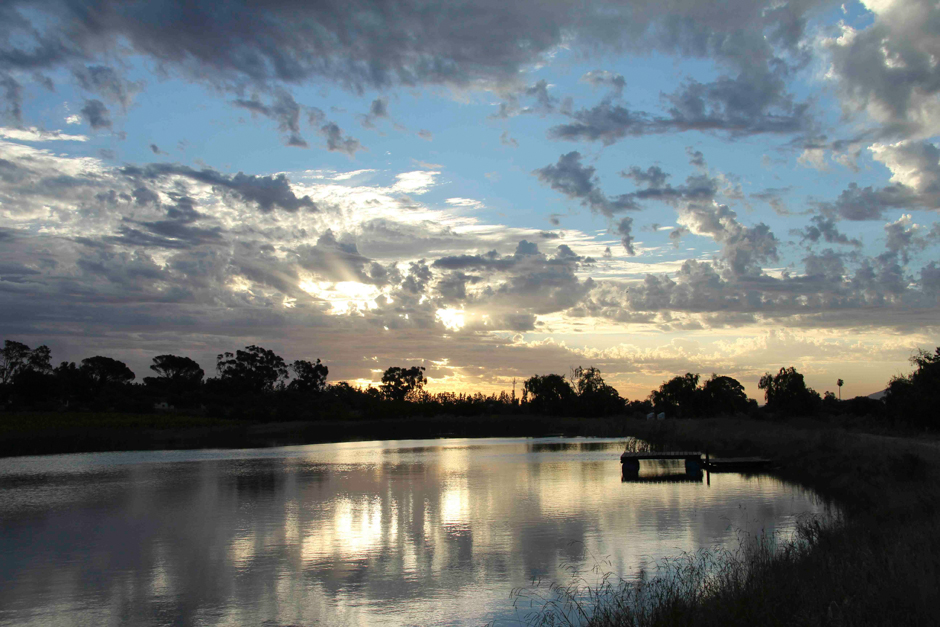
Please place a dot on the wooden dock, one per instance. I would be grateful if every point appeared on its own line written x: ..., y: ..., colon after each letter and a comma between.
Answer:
x: 628, y: 456
x: 695, y: 460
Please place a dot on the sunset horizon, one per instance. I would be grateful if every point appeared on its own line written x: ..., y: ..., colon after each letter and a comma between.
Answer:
x: 488, y: 190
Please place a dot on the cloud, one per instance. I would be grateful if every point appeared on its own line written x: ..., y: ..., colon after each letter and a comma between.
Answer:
x: 750, y: 104
x: 12, y: 95
x: 33, y: 134
x: 825, y: 229
x: 377, y: 110
x: 903, y: 237
x: 869, y: 203
x: 337, y: 142
x: 653, y: 177
x: 284, y: 110
x: 604, y: 78
x: 773, y: 197
x: 96, y: 114
x: 578, y: 182
x: 888, y: 69
x: 624, y: 228
x: 266, y: 192
x: 107, y: 83
x: 369, y: 47
x: 914, y: 164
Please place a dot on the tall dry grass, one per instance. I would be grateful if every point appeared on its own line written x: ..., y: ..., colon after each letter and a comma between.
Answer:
x: 879, y: 564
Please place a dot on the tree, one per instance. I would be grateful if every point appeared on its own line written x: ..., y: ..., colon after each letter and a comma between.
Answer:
x: 16, y: 358
x: 106, y: 371
x: 724, y: 395
x: 914, y: 398
x: 178, y: 370
x: 254, y: 369
x: 679, y: 395
x: 548, y: 393
x: 309, y: 377
x: 398, y: 382
x: 786, y: 392
x: 595, y: 397
x: 840, y: 383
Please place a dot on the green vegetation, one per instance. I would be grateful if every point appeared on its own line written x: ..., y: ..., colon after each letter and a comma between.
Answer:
x: 880, y: 565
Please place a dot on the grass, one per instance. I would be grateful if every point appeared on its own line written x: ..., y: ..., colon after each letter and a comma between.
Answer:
x: 878, y: 565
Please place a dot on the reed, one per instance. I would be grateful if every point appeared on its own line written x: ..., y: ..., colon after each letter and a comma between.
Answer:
x: 879, y: 564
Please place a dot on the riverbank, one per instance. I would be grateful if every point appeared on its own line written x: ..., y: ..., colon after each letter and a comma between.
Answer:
x: 56, y: 433
x: 880, y: 565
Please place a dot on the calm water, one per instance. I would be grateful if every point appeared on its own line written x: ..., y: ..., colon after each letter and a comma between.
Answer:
x: 417, y: 532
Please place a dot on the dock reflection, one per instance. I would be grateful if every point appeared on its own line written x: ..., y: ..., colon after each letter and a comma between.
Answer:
x: 661, y: 472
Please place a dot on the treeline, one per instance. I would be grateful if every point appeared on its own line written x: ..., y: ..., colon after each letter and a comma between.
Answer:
x: 257, y: 384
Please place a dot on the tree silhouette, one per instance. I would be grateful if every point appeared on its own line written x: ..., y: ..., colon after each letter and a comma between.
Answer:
x: 787, y: 392
x: 595, y: 397
x: 106, y: 371
x: 309, y: 377
x: 723, y: 395
x: 914, y: 398
x: 17, y: 358
x: 840, y: 383
x: 254, y: 369
x: 679, y: 395
x: 181, y: 371
x: 549, y: 393
x: 398, y: 382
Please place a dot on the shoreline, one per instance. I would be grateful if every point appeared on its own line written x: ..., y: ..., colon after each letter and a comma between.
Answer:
x: 99, y: 433
x: 878, y: 565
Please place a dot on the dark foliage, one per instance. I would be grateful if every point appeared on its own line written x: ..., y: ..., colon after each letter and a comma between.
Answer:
x: 682, y: 397
x: 258, y: 385
x: 913, y: 399
x: 398, y: 383
x: 787, y: 394
x: 254, y: 369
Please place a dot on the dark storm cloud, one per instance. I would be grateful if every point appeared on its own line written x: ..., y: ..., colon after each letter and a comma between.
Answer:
x: 578, y: 182
x: 96, y: 114
x: 369, y: 46
x: 267, y: 192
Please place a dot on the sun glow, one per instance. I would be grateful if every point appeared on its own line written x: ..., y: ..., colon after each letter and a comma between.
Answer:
x: 451, y: 318
x: 343, y: 296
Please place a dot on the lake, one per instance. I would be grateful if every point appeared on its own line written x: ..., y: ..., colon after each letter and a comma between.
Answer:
x: 407, y: 532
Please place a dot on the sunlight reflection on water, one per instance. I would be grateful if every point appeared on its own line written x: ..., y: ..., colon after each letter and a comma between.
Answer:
x: 364, y: 533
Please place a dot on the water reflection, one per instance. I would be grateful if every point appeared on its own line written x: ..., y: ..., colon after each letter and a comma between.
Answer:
x: 380, y: 533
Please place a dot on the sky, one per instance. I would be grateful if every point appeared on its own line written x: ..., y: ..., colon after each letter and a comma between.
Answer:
x: 488, y: 189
